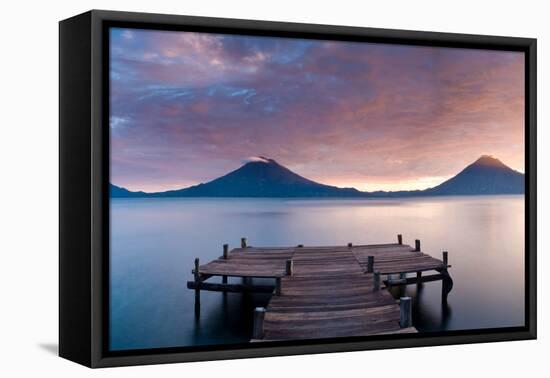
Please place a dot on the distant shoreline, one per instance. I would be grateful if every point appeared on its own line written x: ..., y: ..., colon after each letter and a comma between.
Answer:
x: 330, y: 198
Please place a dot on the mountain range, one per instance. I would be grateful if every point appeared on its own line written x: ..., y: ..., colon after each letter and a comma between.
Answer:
x: 264, y: 177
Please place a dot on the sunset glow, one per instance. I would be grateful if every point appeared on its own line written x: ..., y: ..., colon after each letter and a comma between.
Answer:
x: 186, y: 108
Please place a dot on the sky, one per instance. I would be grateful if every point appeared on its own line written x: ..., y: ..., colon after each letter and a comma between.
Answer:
x: 186, y: 108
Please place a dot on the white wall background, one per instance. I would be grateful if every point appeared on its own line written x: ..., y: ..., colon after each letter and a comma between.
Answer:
x: 28, y: 193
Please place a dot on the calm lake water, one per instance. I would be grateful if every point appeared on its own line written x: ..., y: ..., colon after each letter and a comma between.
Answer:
x: 154, y: 242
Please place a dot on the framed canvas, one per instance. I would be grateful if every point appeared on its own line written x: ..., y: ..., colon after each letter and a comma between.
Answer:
x: 234, y: 188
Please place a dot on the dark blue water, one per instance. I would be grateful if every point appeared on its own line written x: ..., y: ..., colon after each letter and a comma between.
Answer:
x: 154, y: 242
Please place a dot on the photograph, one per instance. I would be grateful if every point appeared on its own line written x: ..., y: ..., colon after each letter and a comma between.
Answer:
x: 267, y: 188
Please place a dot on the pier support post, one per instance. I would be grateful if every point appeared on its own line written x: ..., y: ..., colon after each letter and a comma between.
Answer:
x: 370, y: 264
x: 402, y: 275
x: 197, y: 288
x: 350, y: 245
x: 405, y: 312
x: 243, y: 242
x: 417, y: 245
x: 447, y: 282
x: 225, y: 256
x: 376, y: 281
x: 288, y: 267
x: 278, y: 286
x: 419, y: 284
x: 399, y: 239
x: 300, y: 246
x: 258, y: 328
x: 446, y: 287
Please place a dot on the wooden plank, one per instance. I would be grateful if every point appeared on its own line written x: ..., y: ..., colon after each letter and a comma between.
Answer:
x: 328, y: 295
x: 331, y: 330
x: 392, y: 259
x: 250, y: 262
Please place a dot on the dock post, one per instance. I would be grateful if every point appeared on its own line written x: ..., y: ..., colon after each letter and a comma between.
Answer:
x: 350, y: 245
x: 419, y: 275
x: 225, y: 256
x: 289, y: 266
x: 197, y: 288
x: 370, y: 264
x: 300, y: 246
x: 278, y: 286
x: 258, y: 328
x: 399, y: 239
x: 417, y: 245
x: 243, y: 242
x: 376, y: 281
x: 446, y: 287
x: 405, y: 312
x: 447, y: 282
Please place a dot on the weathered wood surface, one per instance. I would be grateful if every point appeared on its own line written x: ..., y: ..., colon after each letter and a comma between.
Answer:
x: 250, y: 262
x: 396, y: 258
x: 329, y: 293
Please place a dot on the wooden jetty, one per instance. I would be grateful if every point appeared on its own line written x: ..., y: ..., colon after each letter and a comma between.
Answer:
x: 325, y: 292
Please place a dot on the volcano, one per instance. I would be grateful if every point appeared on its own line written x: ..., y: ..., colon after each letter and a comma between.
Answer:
x: 487, y: 175
x: 262, y: 177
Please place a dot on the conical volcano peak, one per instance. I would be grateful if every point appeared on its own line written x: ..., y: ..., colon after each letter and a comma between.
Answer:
x: 487, y: 175
x: 489, y: 161
x: 258, y: 159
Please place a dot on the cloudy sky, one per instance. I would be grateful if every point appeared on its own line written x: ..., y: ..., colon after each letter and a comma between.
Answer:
x: 189, y: 107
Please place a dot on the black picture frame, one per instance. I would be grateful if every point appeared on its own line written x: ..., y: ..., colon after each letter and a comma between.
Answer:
x: 84, y: 187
